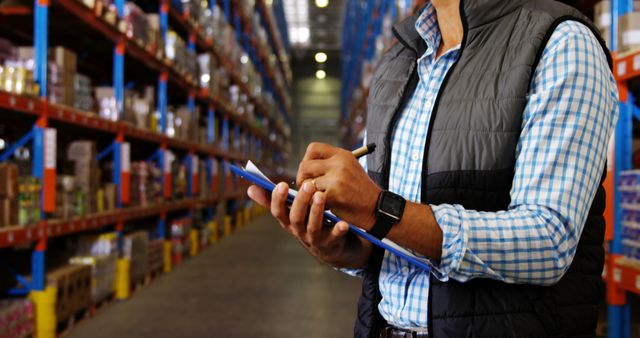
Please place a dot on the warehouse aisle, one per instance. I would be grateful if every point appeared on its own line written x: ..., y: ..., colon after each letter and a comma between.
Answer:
x: 258, y: 282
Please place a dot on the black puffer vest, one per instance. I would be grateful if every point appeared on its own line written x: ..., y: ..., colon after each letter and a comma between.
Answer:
x: 470, y: 160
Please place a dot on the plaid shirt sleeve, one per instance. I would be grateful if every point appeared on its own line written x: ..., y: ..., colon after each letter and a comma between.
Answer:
x: 567, y: 124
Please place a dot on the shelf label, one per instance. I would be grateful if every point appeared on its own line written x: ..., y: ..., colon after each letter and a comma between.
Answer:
x: 636, y: 62
x: 125, y: 157
x: 195, y: 163
x: 168, y: 158
x: 622, y: 68
x: 617, y: 275
x: 50, y: 137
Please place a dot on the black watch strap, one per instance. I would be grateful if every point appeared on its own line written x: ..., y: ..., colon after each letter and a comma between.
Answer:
x: 382, y: 227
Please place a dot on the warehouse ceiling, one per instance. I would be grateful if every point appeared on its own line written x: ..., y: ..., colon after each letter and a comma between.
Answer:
x: 313, y: 27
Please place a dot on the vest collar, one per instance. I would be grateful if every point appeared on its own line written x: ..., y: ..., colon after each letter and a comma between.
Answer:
x: 474, y: 13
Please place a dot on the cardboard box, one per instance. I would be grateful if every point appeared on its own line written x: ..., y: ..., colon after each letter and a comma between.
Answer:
x: 74, y: 289
x: 602, y: 13
x: 629, y: 37
x: 8, y: 180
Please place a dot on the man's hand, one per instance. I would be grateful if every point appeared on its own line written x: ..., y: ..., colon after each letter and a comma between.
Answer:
x: 350, y: 193
x: 304, y: 220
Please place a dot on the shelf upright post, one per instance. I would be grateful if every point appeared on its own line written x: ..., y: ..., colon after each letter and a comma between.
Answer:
x: 44, y: 168
x: 619, y: 325
x: 227, y: 9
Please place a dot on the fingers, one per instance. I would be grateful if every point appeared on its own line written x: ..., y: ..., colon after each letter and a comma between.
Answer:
x: 259, y: 195
x: 311, y: 169
x: 339, y: 230
x: 300, y: 207
x: 318, y: 151
x: 278, y: 203
x: 316, y: 216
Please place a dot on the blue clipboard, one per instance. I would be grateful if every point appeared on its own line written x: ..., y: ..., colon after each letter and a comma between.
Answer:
x: 269, y: 186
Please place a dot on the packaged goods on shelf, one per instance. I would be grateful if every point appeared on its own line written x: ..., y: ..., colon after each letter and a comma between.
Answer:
x: 155, y: 34
x: 73, y: 283
x: 16, y: 318
x: 7, y: 50
x: 176, y: 50
x: 83, y: 92
x: 135, y: 247
x: 629, y: 30
x: 29, y: 196
x: 83, y: 154
x: 146, y: 187
x: 103, y: 273
x: 137, y: 26
x: 62, y: 67
x: 207, y: 66
x: 629, y: 185
x: 106, y: 103
x: 156, y: 255
x: 186, y: 123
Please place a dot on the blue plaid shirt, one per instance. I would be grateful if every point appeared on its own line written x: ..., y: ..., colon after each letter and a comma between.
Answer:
x: 567, y: 124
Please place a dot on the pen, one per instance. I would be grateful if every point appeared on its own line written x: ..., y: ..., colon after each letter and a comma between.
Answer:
x: 364, y: 150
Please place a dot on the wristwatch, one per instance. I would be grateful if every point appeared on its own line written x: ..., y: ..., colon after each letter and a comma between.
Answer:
x: 389, y: 210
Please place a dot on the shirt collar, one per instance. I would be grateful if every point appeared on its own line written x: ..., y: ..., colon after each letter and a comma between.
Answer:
x: 427, y: 28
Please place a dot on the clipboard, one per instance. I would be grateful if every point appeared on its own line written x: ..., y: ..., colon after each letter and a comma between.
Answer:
x: 263, y: 182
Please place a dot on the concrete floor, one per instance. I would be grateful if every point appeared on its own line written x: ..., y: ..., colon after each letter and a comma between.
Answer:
x: 259, y: 282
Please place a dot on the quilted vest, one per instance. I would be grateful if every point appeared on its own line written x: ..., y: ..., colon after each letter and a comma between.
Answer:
x: 470, y: 159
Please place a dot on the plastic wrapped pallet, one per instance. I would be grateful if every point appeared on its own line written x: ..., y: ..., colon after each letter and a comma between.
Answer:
x: 135, y: 248
x: 103, y: 274
x: 97, y: 245
x: 16, y: 318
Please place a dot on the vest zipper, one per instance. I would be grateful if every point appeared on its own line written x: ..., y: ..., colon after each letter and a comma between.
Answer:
x: 425, y: 166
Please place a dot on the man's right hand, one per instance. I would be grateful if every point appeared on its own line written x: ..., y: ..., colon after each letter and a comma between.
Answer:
x: 304, y: 220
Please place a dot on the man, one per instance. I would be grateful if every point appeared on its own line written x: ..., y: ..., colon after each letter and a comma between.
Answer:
x: 492, y: 120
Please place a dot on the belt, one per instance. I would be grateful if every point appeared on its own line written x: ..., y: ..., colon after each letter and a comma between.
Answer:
x: 396, y: 332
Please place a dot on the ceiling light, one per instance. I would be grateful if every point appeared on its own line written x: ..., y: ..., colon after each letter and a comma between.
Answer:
x: 321, y: 57
x: 322, y: 3
x: 321, y: 74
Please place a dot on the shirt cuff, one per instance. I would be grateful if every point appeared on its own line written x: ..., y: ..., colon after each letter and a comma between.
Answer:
x: 454, y: 241
x: 352, y: 272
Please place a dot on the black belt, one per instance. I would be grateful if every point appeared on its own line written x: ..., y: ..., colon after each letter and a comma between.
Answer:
x: 396, y: 332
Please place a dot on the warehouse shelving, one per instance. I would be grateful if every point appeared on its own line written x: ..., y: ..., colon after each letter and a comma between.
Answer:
x: 363, y: 25
x: 621, y: 276
x: 48, y: 118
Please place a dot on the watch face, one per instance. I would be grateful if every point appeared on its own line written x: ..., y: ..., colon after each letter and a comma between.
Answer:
x: 393, y: 204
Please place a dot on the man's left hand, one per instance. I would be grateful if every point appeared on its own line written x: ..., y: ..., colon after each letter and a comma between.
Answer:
x: 350, y: 193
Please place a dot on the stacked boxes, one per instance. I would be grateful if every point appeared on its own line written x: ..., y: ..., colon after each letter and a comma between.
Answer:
x: 83, y: 92
x: 629, y: 25
x: 61, y: 73
x: 630, y: 187
x: 73, y: 283
x: 99, y: 252
x: 103, y: 272
x: 135, y: 248
x: 9, y: 190
x: 83, y: 154
x: 106, y: 103
x: 137, y: 24
x: 155, y: 252
x: 16, y: 318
